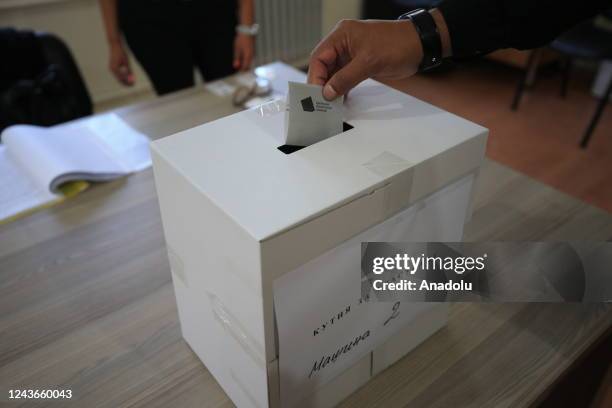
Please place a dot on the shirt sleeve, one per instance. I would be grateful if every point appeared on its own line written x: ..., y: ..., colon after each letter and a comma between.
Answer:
x: 480, y: 26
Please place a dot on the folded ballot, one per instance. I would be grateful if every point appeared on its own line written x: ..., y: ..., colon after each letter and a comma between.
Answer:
x: 310, y: 118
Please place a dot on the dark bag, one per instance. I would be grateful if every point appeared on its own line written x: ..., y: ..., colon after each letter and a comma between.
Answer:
x: 41, y: 101
x: 41, y: 84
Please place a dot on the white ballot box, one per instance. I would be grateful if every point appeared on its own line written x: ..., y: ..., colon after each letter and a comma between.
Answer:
x: 265, y: 245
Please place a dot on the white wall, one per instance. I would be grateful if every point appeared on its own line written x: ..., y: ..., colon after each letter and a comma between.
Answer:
x: 79, y: 24
x: 336, y: 10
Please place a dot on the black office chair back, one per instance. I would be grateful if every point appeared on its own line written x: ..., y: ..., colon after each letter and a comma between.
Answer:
x: 41, y: 83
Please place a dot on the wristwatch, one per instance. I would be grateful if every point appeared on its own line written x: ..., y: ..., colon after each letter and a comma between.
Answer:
x: 429, y: 35
x: 248, y: 29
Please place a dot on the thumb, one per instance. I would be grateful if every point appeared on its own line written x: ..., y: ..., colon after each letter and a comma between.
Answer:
x: 345, y: 79
x: 126, y: 71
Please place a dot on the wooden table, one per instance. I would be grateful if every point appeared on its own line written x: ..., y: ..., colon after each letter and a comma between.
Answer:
x: 86, y: 300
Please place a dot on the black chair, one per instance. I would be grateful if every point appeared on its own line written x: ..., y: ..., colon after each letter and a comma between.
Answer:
x: 40, y: 83
x: 56, y: 52
x: 586, y: 41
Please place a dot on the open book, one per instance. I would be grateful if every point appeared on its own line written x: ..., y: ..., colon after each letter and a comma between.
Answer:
x: 40, y: 166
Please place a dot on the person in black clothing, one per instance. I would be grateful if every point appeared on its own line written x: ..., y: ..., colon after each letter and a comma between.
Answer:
x: 356, y: 50
x: 171, y: 37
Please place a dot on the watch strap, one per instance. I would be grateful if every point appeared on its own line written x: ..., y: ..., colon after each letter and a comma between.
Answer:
x: 428, y: 32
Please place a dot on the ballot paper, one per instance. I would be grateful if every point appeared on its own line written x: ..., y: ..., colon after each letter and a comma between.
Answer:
x: 310, y: 118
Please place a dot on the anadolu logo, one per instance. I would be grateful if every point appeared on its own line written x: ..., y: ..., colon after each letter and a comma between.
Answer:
x: 307, y: 104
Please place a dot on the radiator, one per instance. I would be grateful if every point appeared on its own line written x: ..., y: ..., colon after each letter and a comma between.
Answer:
x: 289, y: 29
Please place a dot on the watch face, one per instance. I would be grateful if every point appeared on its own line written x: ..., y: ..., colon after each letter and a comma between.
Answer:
x: 410, y: 14
x: 246, y: 29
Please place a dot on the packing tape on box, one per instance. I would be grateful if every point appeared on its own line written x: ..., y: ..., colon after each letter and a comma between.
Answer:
x: 271, y: 108
x: 177, y: 267
x: 401, y: 172
x: 387, y: 164
x: 235, y: 329
x: 270, y: 118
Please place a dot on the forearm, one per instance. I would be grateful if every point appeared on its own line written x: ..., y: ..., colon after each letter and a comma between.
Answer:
x: 111, y: 24
x: 481, y: 26
x: 246, y: 12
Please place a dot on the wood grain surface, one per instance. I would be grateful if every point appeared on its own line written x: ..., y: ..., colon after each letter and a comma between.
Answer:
x: 86, y: 300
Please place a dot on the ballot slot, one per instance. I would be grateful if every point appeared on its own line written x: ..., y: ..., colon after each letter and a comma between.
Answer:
x: 288, y: 149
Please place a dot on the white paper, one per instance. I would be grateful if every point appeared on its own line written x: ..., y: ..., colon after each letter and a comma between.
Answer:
x: 123, y: 143
x: 18, y: 190
x: 318, y: 307
x: 310, y: 118
x: 35, y: 160
x: 220, y: 88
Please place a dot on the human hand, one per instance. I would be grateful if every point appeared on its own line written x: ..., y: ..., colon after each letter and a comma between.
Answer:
x: 119, y: 65
x: 244, y: 50
x: 359, y: 49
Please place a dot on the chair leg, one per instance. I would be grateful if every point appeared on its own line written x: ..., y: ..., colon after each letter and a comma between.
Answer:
x: 527, y: 79
x: 565, y: 76
x: 595, y: 119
